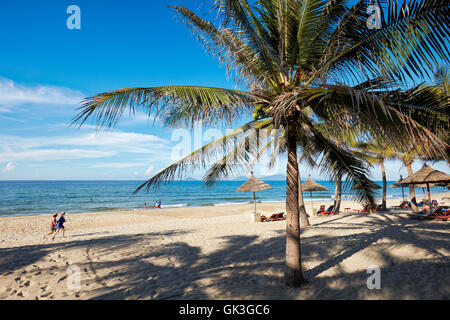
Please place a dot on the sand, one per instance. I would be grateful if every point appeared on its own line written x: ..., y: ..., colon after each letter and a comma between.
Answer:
x: 217, y: 253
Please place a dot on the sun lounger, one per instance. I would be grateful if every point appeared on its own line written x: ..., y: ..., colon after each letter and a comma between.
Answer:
x: 274, y: 217
x: 368, y: 209
x: 321, y: 209
x: 328, y: 212
x: 438, y: 213
x: 402, y: 205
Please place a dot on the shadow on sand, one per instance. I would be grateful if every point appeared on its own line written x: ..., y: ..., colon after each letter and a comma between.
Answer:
x: 136, y: 267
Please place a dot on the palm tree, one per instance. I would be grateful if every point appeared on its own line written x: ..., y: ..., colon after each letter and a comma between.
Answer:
x: 302, y: 63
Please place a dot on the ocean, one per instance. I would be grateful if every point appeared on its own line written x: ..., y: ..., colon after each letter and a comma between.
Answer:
x: 21, y: 198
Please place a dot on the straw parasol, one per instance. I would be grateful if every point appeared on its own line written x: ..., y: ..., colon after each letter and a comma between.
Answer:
x: 427, y: 175
x: 310, y: 185
x: 372, y: 185
x: 398, y: 184
x: 253, y: 185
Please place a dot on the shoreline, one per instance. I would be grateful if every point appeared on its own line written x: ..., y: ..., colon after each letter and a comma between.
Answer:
x: 317, y: 202
x: 41, y: 198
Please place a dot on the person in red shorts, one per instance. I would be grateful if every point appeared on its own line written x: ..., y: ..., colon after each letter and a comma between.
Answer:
x: 52, y: 225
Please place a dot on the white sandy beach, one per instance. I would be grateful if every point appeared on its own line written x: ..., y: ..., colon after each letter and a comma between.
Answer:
x: 217, y: 253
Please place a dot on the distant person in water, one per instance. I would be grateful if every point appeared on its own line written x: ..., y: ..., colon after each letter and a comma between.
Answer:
x: 158, y: 204
x: 52, y: 225
x: 60, y: 225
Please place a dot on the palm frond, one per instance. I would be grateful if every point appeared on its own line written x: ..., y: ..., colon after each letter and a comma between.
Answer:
x: 199, y: 103
x: 413, y: 37
x: 338, y: 162
x: 235, y: 146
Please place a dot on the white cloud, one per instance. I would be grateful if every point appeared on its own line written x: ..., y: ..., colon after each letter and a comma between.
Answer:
x: 119, y: 165
x: 53, y: 154
x: 120, y: 141
x: 13, y: 94
x: 149, y: 170
x: 10, y: 166
x: 83, y: 145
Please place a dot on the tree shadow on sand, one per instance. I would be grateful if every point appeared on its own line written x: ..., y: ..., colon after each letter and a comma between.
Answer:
x: 137, y: 267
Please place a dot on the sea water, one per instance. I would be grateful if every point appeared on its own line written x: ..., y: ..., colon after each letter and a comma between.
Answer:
x: 44, y: 197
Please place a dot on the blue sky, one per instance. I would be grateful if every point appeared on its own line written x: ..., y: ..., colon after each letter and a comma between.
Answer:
x: 47, y: 69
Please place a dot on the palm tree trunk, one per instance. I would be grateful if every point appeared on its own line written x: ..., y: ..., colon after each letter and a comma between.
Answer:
x: 412, y: 191
x: 383, y: 173
x: 293, y: 274
x: 304, y: 222
x: 337, y: 195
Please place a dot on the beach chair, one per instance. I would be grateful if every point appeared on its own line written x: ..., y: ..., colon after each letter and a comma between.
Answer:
x: 402, y: 205
x: 328, y: 212
x: 276, y: 217
x: 321, y: 209
x: 366, y: 209
x: 271, y: 218
x: 438, y: 213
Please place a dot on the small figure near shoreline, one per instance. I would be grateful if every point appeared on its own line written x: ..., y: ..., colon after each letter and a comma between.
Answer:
x: 52, y: 225
x: 158, y: 204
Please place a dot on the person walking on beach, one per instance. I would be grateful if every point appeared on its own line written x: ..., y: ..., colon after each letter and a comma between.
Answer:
x: 158, y: 204
x: 60, y: 225
x: 52, y: 225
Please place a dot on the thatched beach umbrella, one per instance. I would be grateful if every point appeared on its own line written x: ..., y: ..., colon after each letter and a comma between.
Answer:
x: 398, y: 184
x: 253, y: 185
x: 310, y: 185
x: 427, y: 175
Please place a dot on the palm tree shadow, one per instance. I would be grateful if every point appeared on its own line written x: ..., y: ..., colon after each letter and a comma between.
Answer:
x: 140, y: 266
